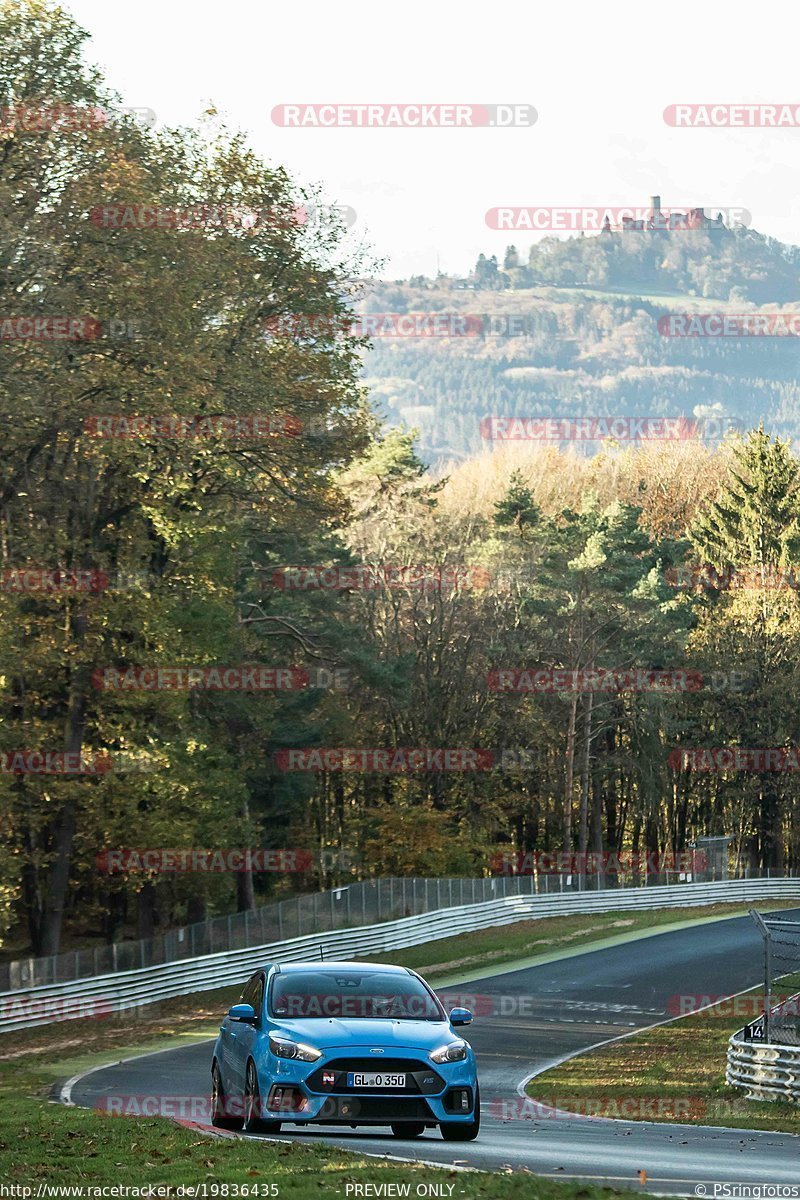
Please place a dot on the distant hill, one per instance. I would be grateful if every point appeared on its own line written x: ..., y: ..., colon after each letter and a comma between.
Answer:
x: 575, y: 332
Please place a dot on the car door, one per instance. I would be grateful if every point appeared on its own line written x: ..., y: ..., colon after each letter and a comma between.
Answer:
x: 237, y: 1043
x: 248, y: 1035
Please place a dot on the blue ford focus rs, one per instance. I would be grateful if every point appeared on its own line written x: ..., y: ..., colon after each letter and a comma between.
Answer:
x: 344, y: 1043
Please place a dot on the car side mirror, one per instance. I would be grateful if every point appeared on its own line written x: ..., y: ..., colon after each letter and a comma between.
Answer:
x: 244, y: 1013
x: 460, y: 1016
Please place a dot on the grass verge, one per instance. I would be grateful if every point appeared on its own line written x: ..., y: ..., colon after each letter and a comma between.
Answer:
x: 154, y: 1026
x: 73, y: 1147
x: 45, y: 1142
x: 673, y: 1072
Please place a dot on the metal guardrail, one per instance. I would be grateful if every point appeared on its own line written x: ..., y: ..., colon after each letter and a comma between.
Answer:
x: 347, y: 906
x: 104, y: 994
x: 767, y: 1071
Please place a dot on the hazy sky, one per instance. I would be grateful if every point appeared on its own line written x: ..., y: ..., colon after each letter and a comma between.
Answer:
x: 599, y: 76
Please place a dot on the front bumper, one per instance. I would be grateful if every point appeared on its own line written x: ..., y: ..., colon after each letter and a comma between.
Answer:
x: 320, y: 1092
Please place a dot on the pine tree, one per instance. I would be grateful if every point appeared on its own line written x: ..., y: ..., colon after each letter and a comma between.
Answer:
x: 517, y: 507
x: 755, y: 521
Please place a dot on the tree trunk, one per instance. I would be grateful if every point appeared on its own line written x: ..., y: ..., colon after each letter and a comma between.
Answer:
x: 245, y: 892
x: 58, y: 881
x: 583, y: 831
x: 569, y: 774
x: 146, y: 911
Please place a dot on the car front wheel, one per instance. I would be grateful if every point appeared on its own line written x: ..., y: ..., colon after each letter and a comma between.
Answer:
x: 220, y: 1107
x: 253, y: 1121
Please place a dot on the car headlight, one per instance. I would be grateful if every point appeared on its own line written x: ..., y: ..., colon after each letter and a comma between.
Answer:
x: 452, y: 1052
x: 284, y: 1048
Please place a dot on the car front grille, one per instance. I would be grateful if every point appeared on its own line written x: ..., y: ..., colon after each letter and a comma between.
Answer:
x: 421, y: 1079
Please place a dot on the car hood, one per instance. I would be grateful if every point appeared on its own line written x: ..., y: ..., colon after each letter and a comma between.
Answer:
x: 324, y: 1032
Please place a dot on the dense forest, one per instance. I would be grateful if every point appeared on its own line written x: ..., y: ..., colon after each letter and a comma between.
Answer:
x: 536, y: 650
x: 580, y: 331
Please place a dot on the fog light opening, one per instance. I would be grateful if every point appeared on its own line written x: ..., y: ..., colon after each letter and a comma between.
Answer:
x: 286, y: 1100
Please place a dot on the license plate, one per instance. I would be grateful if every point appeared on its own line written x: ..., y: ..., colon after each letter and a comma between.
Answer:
x: 372, y: 1079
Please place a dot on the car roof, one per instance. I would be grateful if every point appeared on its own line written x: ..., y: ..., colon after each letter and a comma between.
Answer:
x: 325, y: 965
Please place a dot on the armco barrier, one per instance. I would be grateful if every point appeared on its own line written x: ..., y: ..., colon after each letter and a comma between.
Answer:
x: 343, y: 906
x: 766, y: 1071
x: 130, y: 989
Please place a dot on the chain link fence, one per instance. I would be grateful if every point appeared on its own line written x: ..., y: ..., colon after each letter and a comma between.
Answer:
x: 358, y: 903
x: 780, y: 1022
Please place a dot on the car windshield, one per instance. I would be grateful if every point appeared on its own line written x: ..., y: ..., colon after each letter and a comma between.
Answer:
x: 377, y: 995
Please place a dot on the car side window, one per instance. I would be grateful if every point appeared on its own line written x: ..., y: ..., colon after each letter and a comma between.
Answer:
x: 258, y: 995
x: 248, y: 993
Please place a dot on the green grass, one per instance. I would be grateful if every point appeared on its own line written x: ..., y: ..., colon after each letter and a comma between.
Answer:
x: 676, y: 1070
x: 526, y: 939
x: 154, y: 1026
x: 44, y: 1141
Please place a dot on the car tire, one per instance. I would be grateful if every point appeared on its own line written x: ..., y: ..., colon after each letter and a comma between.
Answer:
x: 220, y: 1116
x: 464, y: 1131
x: 253, y: 1121
x: 411, y: 1129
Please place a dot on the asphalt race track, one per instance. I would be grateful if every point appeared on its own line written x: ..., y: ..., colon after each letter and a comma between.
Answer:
x: 541, y: 1014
